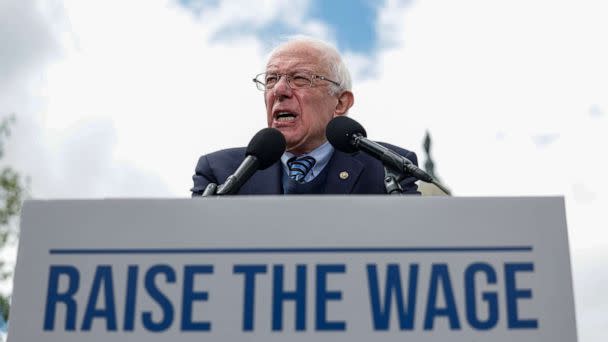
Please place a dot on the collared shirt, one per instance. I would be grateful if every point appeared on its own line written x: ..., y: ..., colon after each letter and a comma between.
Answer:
x: 322, y: 154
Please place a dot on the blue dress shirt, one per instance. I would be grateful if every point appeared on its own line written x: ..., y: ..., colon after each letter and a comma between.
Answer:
x: 322, y: 155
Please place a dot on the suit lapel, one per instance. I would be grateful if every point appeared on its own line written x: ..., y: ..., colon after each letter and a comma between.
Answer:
x: 264, y: 182
x: 343, y: 173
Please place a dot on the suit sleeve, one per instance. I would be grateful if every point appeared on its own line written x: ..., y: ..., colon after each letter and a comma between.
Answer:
x: 409, y: 185
x: 203, y: 175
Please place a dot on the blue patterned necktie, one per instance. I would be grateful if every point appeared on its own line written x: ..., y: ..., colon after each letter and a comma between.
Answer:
x: 299, y: 167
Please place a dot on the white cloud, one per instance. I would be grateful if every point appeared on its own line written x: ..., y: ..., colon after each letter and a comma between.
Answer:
x: 489, y: 78
x: 171, y: 90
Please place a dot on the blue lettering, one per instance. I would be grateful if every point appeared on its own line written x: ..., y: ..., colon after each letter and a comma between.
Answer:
x: 130, y: 298
x: 250, y: 272
x: 102, y: 279
x: 53, y: 296
x: 513, y: 294
x: 323, y: 296
x: 381, y: 313
x: 189, y: 296
x: 159, y: 297
x: 279, y: 296
x: 490, y: 297
x: 440, y: 277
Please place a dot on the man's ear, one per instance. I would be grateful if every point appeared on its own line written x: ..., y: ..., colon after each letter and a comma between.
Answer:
x: 345, y: 101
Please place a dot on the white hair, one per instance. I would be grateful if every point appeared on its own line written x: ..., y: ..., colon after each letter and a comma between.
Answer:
x: 329, y: 55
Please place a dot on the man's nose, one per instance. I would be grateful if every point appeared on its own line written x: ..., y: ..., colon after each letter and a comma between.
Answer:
x: 282, y: 89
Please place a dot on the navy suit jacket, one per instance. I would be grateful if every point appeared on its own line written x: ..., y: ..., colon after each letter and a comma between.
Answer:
x: 365, y: 174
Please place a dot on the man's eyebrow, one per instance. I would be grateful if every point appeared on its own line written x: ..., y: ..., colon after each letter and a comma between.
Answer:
x: 276, y: 71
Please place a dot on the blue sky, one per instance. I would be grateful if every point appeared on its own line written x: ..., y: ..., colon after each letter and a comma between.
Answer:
x: 351, y: 22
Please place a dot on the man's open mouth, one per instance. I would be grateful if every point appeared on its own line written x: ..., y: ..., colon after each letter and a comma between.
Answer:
x: 285, y: 116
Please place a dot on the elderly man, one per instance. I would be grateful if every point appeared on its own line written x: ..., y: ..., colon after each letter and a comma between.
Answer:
x: 305, y: 85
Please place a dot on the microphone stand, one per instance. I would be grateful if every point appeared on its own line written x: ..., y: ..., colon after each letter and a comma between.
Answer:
x: 442, y: 187
x: 210, y: 190
x: 392, y: 178
x: 396, y: 166
x: 391, y: 181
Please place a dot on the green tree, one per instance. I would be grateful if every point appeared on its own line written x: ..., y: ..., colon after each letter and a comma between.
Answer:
x: 12, y: 193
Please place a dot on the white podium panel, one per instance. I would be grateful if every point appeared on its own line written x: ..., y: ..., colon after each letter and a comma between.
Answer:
x: 294, y: 269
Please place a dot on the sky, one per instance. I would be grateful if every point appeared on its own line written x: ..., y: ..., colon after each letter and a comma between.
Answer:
x: 120, y: 98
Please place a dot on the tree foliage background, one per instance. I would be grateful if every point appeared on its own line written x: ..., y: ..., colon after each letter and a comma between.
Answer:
x: 12, y: 193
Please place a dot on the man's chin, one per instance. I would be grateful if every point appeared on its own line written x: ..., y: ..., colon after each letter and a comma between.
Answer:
x: 291, y: 139
x: 296, y: 142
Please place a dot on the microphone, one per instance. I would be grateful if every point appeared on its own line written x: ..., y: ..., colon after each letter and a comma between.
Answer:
x: 264, y: 149
x: 347, y: 135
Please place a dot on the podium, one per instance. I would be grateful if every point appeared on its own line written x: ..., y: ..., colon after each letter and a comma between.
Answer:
x: 274, y: 268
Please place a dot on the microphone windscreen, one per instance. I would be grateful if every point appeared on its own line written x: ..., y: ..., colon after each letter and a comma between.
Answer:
x: 340, y: 131
x: 267, y: 145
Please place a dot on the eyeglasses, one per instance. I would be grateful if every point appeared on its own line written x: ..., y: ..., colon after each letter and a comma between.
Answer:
x: 299, y: 79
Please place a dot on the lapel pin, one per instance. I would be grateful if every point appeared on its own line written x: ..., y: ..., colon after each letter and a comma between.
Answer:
x: 343, y: 175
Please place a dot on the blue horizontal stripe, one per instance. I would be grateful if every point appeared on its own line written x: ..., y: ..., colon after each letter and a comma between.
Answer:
x: 295, y: 250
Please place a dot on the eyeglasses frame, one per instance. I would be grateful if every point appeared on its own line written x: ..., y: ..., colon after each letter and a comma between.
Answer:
x: 262, y: 86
